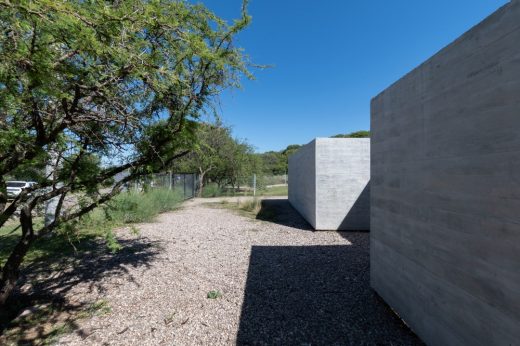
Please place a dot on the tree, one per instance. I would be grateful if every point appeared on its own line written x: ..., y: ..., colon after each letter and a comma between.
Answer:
x: 239, y: 163
x: 107, y: 87
x: 208, y: 153
x: 218, y: 157
x: 273, y: 162
x: 357, y: 134
x: 277, y: 162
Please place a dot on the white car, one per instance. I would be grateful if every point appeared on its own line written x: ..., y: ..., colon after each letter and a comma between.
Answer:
x: 14, y: 188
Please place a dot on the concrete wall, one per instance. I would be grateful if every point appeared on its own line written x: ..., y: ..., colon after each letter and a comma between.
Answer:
x: 342, y: 183
x: 445, y: 190
x: 336, y: 193
x: 302, y: 182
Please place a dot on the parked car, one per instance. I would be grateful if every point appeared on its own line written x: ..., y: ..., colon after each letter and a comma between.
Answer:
x: 14, y: 188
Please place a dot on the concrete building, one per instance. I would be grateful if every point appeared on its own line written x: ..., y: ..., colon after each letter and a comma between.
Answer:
x: 329, y: 183
x: 445, y: 189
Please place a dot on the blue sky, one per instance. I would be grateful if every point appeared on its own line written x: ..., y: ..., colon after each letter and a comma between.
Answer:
x: 330, y: 58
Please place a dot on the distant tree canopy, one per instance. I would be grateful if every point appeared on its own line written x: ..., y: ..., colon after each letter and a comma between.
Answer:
x: 277, y: 162
x: 357, y: 134
x: 97, y: 88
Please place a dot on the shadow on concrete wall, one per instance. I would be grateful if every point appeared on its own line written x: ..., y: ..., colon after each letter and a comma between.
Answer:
x: 280, y: 211
x: 358, y: 217
x: 319, y: 295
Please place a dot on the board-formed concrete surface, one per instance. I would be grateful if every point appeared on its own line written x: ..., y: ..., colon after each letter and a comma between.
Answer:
x: 445, y: 189
x: 329, y: 183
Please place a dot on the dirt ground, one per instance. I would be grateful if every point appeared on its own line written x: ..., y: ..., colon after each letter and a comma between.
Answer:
x: 206, y: 275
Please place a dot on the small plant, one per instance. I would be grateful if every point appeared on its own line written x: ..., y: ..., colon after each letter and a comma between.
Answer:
x: 111, y: 242
x: 57, y: 332
x: 252, y: 205
x: 214, y: 294
x: 99, y: 308
x: 134, y: 231
x: 169, y: 319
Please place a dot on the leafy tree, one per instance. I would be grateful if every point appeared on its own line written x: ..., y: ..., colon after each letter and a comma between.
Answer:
x: 208, y: 153
x: 277, y: 162
x: 105, y: 87
x: 218, y: 157
x: 357, y: 134
x: 273, y: 162
x: 239, y: 163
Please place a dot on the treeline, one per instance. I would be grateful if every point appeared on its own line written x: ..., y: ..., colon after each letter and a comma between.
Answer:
x: 277, y: 162
x: 221, y: 159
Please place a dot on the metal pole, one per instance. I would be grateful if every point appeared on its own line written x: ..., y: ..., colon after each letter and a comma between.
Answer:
x: 254, y: 184
x: 170, y: 175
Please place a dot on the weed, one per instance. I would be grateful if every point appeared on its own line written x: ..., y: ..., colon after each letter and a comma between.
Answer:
x: 56, y: 332
x: 250, y: 205
x: 135, y: 231
x: 169, y: 319
x: 99, y: 308
x: 214, y: 294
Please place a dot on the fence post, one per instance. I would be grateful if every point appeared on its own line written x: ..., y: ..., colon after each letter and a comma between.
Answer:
x: 184, y: 184
x: 170, y: 177
x: 254, y: 184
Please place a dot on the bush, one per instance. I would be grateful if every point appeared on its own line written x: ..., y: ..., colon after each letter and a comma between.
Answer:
x: 134, y: 207
x: 250, y: 205
x: 211, y: 190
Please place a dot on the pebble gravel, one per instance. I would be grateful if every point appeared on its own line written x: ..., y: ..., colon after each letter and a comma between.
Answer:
x: 277, y: 283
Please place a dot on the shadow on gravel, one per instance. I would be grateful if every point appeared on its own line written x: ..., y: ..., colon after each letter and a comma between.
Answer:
x: 281, y: 212
x: 41, y: 313
x: 319, y: 295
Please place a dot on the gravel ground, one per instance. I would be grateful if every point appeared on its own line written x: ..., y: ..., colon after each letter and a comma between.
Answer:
x: 280, y: 284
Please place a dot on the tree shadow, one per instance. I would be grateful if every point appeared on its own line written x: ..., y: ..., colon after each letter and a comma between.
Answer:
x: 319, y: 295
x: 40, y: 309
x: 280, y: 211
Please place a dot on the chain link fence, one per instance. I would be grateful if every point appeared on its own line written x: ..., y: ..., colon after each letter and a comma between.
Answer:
x: 251, y: 185
x: 185, y: 184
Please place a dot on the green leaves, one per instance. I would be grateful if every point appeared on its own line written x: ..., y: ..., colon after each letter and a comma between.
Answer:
x: 109, y: 86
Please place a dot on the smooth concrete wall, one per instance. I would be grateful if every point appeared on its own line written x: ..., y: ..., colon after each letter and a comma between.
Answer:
x: 445, y: 190
x: 342, y: 184
x: 302, y: 182
x: 329, y: 183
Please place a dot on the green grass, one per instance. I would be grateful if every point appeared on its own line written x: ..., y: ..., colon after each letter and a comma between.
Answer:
x: 60, y: 249
x: 276, y: 191
x: 136, y: 207
x: 126, y: 208
x: 212, y: 190
x: 249, y: 207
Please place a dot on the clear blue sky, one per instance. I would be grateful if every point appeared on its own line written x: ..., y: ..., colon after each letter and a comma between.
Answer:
x: 330, y: 58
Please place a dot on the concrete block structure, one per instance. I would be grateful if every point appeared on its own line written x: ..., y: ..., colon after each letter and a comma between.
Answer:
x: 329, y: 183
x: 445, y: 189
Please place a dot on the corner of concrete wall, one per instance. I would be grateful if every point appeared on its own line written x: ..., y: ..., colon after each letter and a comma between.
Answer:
x: 302, y: 182
x: 342, y: 184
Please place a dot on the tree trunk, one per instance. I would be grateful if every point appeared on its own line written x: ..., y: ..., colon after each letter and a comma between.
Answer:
x: 201, y: 182
x: 3, y: 195
x: 11, y: 269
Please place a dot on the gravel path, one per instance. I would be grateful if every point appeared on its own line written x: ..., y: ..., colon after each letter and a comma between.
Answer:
x: 281, y: 284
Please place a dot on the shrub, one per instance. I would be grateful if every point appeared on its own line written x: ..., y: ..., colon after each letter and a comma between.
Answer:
x: 134, y: 207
